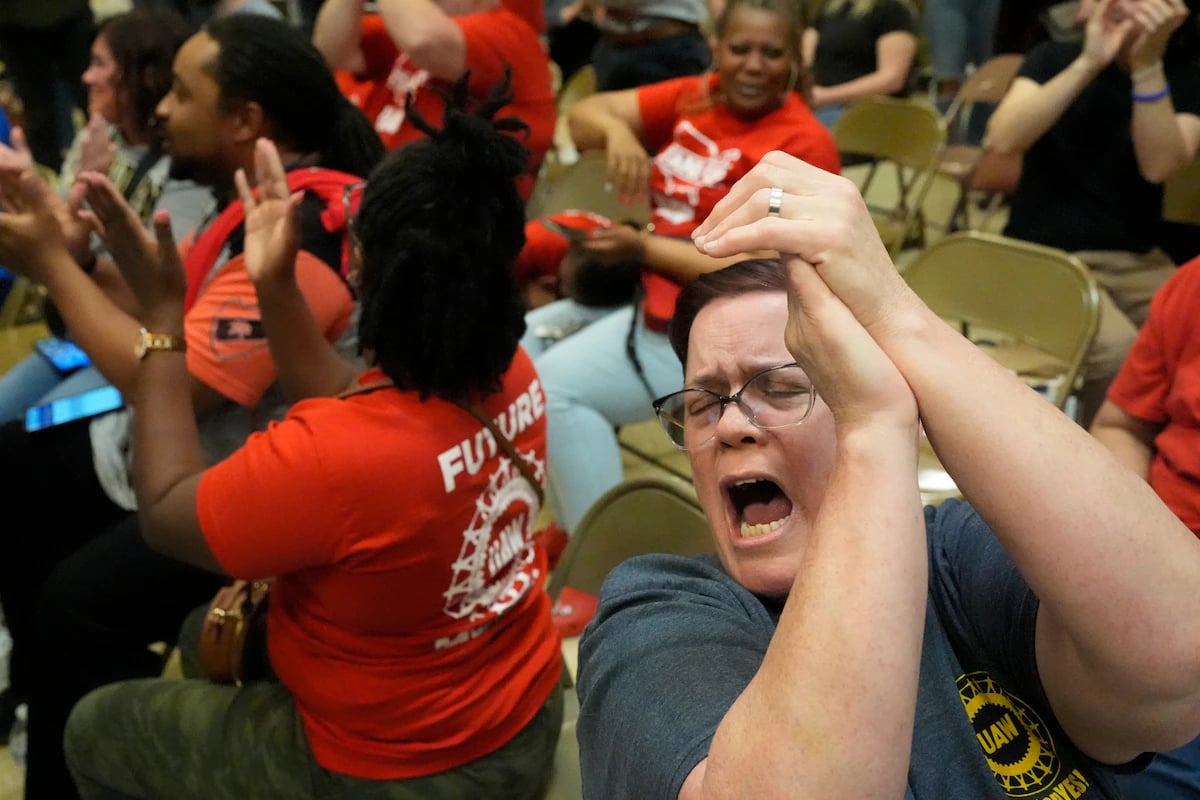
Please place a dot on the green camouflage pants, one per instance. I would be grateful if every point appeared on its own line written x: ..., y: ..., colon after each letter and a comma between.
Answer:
x: 192, y: 739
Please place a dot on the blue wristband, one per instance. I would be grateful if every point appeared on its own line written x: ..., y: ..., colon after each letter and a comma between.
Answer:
x: 1150, y: 98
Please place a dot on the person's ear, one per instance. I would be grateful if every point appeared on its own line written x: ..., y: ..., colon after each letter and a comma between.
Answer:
x: 249, y: 122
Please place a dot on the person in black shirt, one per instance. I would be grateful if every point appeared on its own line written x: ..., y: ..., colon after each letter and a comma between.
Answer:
x: 1101, y: 126
x: 857, y: 48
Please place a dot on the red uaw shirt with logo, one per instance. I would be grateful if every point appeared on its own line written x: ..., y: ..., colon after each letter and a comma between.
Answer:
x: 702, y: 150
x: 495, y: 40
x: 409, y: 618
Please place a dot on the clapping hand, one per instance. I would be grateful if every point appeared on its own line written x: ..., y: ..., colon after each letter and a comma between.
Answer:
x: 98, y: 150
x: 30, y: 233
x: 76, y: 233
x: 628, y: 164
x: 1156, y: 21
x: 272, y: 237
x: 1107, y: 30
x: 149, y: 264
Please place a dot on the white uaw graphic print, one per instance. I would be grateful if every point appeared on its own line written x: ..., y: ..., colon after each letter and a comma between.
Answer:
x: 404, y: 78
x: 494, y: 569
x: 691, y: 162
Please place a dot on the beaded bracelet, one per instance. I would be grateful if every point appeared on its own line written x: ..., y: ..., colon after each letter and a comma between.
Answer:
x: 1153, y: 96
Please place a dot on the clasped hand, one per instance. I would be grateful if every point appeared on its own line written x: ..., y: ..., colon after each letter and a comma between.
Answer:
x: 845, y: 292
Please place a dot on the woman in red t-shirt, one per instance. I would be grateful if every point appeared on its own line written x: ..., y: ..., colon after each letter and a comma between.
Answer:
x: 408, y: 626
x: 706, y: 131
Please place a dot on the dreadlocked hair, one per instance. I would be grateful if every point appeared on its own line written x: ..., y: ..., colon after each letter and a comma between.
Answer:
x: 268, y: 62
x: 440, y: 225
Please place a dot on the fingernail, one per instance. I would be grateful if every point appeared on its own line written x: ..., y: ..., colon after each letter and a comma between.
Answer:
x: 162, y: 215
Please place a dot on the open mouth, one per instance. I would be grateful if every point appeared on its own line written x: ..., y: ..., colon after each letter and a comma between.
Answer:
x: 759, y: 505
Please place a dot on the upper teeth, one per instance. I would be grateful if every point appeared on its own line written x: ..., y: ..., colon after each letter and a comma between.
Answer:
x: 747, y: 482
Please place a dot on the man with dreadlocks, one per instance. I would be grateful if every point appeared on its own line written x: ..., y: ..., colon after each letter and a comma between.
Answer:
x: 82, y: 594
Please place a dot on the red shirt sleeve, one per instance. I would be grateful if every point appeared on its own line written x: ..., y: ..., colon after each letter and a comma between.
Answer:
x: 226, y: 346
x: 378, y: 50
x: 269, y: 508
x: 658, y: 107
x: 1144, y: 383
x: 485, y: 56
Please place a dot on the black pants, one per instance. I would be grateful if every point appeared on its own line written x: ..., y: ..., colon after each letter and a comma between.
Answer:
x: 52, y: 504
x: 100, y: 610
x: 670, y: 57
x: 38, y: 61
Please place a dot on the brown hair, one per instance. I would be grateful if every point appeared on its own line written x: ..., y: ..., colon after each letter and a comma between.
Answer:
x: 744, y: 277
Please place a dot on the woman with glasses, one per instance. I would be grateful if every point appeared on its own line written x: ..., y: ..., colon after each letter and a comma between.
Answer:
x: 843, y: 642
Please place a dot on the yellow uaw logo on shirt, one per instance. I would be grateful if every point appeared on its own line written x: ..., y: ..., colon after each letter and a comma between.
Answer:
x: 1016, y: 743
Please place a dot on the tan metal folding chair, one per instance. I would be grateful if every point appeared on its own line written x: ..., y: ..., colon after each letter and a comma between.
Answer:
x: 911, y: 135
x: 988, y: 84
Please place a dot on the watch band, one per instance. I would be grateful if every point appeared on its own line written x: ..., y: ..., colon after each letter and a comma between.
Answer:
x: 148, y: 341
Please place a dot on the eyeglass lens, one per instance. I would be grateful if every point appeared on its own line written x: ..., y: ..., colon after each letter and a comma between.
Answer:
x: 775, y: 398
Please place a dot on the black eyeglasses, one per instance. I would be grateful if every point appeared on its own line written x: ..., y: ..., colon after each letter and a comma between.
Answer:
x: 778, y: 397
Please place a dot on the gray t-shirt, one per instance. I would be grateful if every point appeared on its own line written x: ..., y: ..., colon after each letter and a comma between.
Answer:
x: 676, y: 640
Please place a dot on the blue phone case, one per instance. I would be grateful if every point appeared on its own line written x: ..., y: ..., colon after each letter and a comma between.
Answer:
x: 68, y: 409
x: 63, y: 354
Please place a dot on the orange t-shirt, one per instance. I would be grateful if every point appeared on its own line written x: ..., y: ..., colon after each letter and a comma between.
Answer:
x: 1160, y: 382
x: 409, y: 618
x: 495, y: 40
x: 701, y: 154
x: 226, y: 345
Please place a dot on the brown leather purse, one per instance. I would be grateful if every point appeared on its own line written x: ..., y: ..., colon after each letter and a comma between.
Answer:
x: 235, y: 613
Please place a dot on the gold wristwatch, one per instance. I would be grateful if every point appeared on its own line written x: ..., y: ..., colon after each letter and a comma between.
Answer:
x: 148, y: 341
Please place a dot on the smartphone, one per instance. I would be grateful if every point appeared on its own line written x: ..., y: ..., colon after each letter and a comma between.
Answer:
x: 63, y: 354
x: 68, y: 409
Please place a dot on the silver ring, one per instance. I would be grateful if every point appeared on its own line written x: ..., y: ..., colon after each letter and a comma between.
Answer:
x: 774, y: 201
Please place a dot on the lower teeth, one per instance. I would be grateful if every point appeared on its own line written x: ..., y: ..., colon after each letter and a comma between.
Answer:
x: 752, y: 531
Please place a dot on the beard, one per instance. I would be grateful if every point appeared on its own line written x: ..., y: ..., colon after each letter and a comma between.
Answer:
x: 184, y: 169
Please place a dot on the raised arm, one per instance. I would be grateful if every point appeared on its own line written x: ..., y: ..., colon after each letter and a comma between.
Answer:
x: 1163, y: 141
x: 1029, y: 109
x: 1118, y: 635
x: 424, y: 32
x: 337, y: 34
x: 32, y: 243
x: 306, y: 364
x: 894, y: 54
x: 838, y: 685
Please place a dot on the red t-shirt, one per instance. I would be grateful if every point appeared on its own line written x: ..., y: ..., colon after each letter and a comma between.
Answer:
x: 495, y: 40
x: 1160, y: 382
x: 702, y: 153
x: 409, y: 618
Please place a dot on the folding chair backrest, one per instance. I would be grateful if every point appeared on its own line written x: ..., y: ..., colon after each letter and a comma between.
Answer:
x: 1181, y: 196
x: 908, y: 132
x: 581, y: 185
x: 1040, y: 296
x: 987, y: 84
x: 644, y: 515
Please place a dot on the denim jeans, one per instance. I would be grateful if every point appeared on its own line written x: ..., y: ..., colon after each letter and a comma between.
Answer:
x: 591, y: 387
x: 960, y: 33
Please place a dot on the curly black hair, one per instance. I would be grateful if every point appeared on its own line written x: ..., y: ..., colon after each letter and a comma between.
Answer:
x: 440, y: 225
